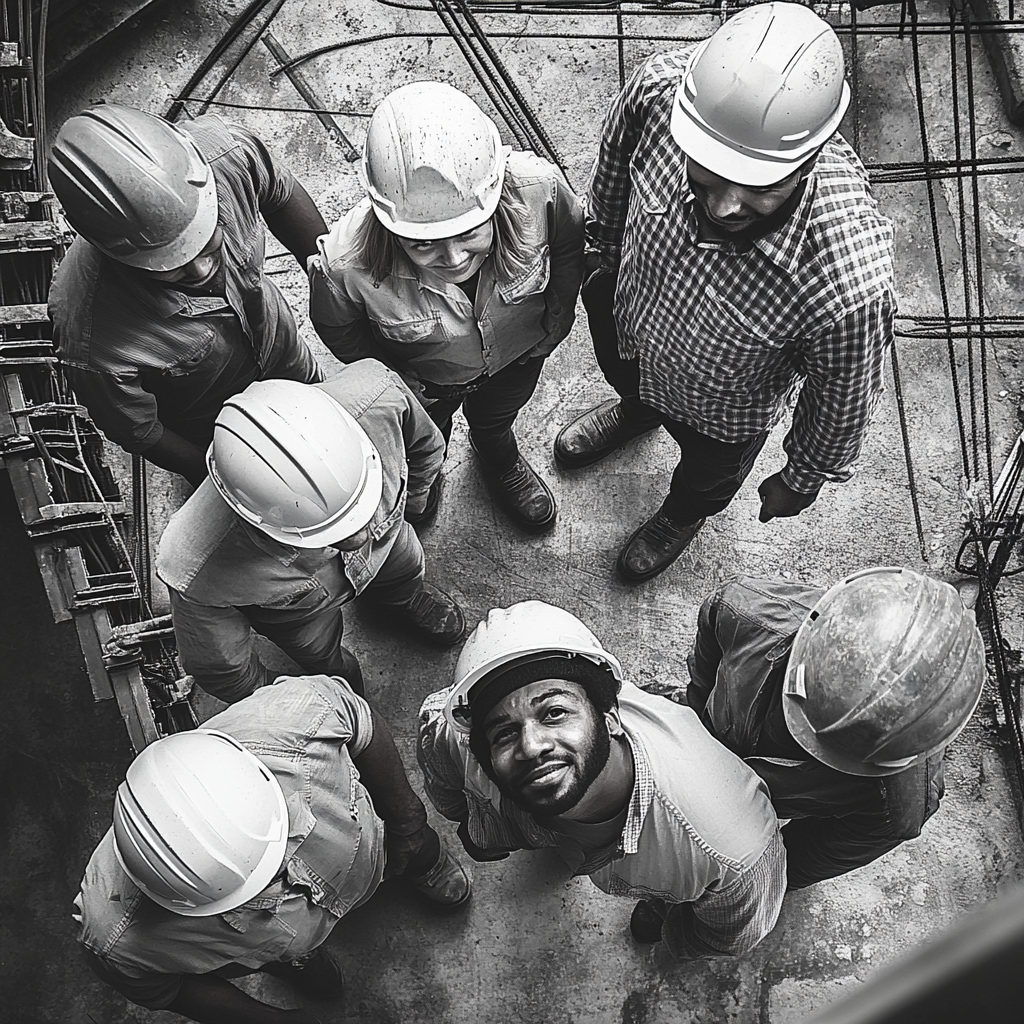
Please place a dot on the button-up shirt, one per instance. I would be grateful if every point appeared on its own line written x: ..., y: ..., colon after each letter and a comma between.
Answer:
x: 306, y: 730
x: 699, y: 829
x: 142, y: 355
x: 217, y: 565
x: 725, y: 335
x: 430, y: 330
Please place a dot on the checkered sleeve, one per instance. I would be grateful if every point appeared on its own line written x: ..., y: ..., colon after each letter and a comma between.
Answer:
x: 844, y: 381
x: 608, y: 194
x: 734, y: 920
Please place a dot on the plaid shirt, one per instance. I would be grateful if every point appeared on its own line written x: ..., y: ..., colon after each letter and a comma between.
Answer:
x: 724, y: 337
x: 699, y: 831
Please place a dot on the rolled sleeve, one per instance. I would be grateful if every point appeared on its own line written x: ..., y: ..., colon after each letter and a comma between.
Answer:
x: 150, y: 990
x: 733, y: 921
x: 273, y: 181
x: 844, y: 382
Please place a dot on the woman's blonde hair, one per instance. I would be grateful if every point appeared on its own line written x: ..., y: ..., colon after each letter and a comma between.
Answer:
x: 381, y: 252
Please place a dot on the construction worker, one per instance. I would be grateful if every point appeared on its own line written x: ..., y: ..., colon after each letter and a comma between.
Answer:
x: 540, y: 742
x: 304, y: 509
x: 737, y: 235
x: 460, y: 269
x: 161, y: 309
x: 843, y: 701
x: 238, y: 846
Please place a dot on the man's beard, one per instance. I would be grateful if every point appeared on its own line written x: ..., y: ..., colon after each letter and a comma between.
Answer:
x: 758, y: 229
x: 585, y: 769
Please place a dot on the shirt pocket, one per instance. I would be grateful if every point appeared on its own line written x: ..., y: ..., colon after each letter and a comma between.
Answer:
x: 409, y: 332
x: 531, y: 282
x: 194, y: 357
x: 733, y: 352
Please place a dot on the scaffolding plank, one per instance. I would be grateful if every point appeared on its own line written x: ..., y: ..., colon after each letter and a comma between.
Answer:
x: 28, y: 314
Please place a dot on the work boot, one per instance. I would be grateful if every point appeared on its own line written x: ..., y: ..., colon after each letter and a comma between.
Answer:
x: 646, y: 920
x: 316, y: 975
x: 655, y: 546
x: 446, y: 883
x: 430, y: 509
x: 598, y: 432
x: 434, y: 615
x: 521, y: 493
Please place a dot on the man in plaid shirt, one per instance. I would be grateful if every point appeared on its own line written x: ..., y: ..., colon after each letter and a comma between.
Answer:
x: 746, y: 256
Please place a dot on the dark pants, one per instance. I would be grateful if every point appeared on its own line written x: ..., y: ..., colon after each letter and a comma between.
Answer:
x: 710, y: 472
x: 841, y: 822
x: 490, y: 410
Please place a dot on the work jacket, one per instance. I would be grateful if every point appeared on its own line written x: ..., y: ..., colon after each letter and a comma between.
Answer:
x: 429, y: 330
x: 306, y: 730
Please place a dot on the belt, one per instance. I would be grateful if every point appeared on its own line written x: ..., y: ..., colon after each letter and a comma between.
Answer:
x: 439, y: 391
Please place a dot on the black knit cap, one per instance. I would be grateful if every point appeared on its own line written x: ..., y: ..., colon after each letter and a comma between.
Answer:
x: 600, y: 685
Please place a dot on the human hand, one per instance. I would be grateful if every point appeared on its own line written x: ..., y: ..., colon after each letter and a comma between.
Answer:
x: 778, y: 499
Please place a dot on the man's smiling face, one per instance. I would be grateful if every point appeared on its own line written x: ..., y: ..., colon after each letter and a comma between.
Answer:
x: 548, y: 743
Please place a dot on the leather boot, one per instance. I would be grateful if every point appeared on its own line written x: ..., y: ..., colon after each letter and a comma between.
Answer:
x: 521, y: 493
x: 434, y: 615
x: 430, y: 509
x: 646, y: 920
x: 446, y: 883
x: 598, y: 432
x: 655, y: 546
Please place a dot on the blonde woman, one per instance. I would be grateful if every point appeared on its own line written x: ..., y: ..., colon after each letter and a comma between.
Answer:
x: 460, y: 269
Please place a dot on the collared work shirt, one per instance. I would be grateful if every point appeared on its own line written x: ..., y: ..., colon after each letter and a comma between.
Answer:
x: 429, y: 330
x: 699, y: 832
x: 142, y: 355
x: 725, y: 338
x: 745, y: 634
x: 217, y: 565
x: 306, y: 730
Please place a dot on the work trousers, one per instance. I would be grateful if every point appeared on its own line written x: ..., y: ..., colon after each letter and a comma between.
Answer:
x: 709, y: 472
x: 490, y: 408
x: 841, y: 822
x: 216, y: 646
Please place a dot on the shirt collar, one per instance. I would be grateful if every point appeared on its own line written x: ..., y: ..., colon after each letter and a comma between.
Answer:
x: 640, y: 801
x: 784, y: 246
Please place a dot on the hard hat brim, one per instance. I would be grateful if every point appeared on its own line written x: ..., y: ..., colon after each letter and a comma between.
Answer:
x: 754, y: 168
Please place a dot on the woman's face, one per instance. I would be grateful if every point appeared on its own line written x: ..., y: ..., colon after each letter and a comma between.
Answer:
x: 455, y: 259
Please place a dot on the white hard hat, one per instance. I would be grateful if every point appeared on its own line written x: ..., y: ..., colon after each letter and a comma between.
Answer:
x: 885, y: 671
x: 135, y: 186
x: 292, y: 461
x: 200, y: 823
x: 762, y: 94
x: 433, y: 163
x: 512, y: 634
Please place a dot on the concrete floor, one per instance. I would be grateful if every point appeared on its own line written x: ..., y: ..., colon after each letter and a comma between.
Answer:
x: 536, y: 946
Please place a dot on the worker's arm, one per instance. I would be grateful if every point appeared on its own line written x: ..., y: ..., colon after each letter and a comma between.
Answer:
x: 216, y: 647
x: 173, y: 453
x: 733, y: 920
x: 844, y: 381
x: 211, y: 1000
x: 297, y: 224
x: 706, y: 655
x: 338, y: 313
x: 565, y: 248
x: 424, y: 448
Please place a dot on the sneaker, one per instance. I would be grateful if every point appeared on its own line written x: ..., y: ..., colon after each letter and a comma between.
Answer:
x: 654, y: 547
x: 316, y: 975
x: 446, y: 883
x: 646, y: 920
x: 434, y: 615
x: 521, y: 493
x: 597, y: 433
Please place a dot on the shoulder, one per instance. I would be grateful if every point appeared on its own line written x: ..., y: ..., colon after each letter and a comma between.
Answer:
x: 775, y: 605
x: 370, y: 392
x: 845, y: 228
x: 215, y: 137
x: 701, y: 788
x: 193, y: 534
x: 339, y: 249
x: 660, y: 74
